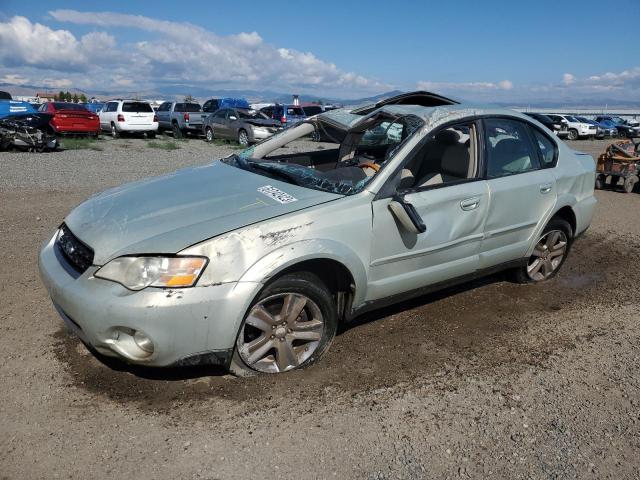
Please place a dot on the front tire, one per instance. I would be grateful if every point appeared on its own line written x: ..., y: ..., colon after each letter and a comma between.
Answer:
x: 290, y: 325
x: 549, y: 254
x: 208, y: 134
x: 177, y: 133
x: 573, y: 134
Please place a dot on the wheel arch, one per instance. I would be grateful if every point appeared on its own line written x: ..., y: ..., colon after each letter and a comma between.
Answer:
x: 566, y: 213
x: 335, y: 264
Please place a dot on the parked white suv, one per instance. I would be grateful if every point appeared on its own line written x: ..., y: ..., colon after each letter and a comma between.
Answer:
x: 578, y: 129
x: 133, y: 116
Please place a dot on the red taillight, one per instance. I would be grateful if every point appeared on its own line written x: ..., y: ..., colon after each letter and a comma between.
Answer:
x: 186, y: 117
x: 155, y: 118
x: 120, y: 117
x: 283, y: 119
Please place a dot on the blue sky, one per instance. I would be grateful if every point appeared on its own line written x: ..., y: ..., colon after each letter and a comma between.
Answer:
x: 484, y: 50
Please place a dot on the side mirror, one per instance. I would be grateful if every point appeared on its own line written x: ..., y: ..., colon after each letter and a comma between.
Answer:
x: 407, y: 214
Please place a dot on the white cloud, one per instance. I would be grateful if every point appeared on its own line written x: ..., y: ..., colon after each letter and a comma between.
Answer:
x: 14, y: 79
x: 568, y: 79
x: 465, y: 87
x: 34, y: 44
x: 184, y: 53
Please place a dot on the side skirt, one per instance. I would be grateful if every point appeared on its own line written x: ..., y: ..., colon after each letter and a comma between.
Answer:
x: 418, y: 292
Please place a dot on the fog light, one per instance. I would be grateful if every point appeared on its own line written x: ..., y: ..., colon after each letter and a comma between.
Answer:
x: 143, y: 342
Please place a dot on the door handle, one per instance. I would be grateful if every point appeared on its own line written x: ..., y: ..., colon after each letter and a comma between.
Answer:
x: 470, y: 203
x: 546, y: 187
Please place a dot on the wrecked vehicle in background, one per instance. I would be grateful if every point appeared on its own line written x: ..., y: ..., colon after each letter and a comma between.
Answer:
x: 27, y: 132
x: 22, y: 127
x: 620, y: 160
x: 253, y: 261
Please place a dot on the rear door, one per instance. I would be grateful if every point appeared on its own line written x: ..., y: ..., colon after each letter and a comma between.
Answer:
x: 218, y: 122
x: 522, y: 192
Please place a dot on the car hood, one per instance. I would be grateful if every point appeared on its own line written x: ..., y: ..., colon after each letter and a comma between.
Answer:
x: 170, y: 213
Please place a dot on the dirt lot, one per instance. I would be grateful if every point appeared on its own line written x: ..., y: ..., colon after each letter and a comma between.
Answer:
x: 490, y: 379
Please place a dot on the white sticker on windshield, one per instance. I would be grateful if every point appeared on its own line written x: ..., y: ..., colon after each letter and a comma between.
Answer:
x: 277, y: 194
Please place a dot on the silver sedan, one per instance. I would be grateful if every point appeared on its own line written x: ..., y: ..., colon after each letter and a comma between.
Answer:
x: 244, y: 126
x: 253, y: 261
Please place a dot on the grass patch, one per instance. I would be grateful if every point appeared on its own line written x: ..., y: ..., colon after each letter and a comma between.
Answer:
x: 167, y: 145
x: 80, y: 143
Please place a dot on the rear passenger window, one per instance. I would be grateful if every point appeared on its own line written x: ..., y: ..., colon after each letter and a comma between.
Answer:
x: 547, y: 149
x: 509, y: 148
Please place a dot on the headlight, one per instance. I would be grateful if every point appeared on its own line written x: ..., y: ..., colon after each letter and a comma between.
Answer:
x: 136, y: 273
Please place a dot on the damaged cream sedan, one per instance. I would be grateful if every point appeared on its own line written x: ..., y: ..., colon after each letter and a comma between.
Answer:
x: 253, y: 261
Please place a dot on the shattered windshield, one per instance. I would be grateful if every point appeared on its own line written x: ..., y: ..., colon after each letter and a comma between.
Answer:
x: 324, y: 164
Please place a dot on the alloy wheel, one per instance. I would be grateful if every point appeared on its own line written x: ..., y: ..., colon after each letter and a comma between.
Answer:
x: 547, y: 255
x: 209, y: 134
x: 280, y: 333
x: 243, y: 138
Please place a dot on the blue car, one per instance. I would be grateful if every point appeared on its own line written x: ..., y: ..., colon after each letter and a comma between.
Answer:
x: 215, y: 104
x: 624, y: 129
x: 8, y: 106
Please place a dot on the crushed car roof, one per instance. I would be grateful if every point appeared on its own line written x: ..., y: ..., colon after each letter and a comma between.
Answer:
x: 346, y: 119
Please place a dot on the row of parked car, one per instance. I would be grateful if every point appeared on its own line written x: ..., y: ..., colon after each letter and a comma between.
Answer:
x: 236, y: 120
x: 576, y: 127
x: 223, y: 118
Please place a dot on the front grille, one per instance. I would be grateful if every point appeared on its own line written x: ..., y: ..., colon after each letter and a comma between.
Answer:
x: 79, y: 255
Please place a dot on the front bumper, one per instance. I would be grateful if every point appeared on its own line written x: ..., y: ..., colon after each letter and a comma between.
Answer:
x: 183, y: 324
x: 127, y: 127
x: 255, y: 135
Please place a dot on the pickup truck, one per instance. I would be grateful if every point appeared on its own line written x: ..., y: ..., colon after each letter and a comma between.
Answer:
x: 180, y: 117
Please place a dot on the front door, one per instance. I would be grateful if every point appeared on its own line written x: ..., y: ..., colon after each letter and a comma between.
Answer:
x: 452, y: 201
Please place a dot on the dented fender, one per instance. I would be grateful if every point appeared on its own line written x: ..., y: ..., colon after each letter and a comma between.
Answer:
x: 288, y: 256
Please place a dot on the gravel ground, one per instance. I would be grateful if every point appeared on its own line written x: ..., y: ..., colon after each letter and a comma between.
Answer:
x: 489, y: 379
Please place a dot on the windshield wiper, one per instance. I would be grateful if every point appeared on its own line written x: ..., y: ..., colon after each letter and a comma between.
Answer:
x: 265, y: 167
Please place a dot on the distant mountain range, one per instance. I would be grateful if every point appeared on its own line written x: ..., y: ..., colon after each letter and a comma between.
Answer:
x: 177, y: 92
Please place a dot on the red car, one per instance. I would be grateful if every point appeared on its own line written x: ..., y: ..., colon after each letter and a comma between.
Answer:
x: 71, y: 118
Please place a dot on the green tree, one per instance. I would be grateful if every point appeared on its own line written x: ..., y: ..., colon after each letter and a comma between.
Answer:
x: 83, y: 98
x: 60, y: 96
x: 75, y: 98
x: 67, y: 96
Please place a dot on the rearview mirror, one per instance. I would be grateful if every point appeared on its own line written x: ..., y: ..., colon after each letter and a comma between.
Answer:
x: 407, y: 214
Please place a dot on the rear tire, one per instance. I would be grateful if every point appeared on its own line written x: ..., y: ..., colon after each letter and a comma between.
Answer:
x: 208, y: 134
x: 554, y: 242
x: 114, y: 131
x: 151, y: 135
x: 317, y: 320
x: 177, y: 133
